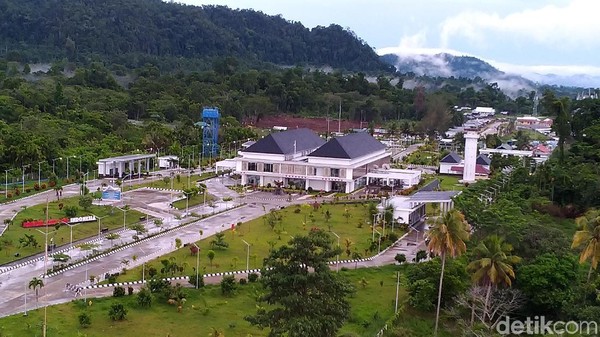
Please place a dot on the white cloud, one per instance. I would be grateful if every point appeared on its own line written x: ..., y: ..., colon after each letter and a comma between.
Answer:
x: 562, y: 70
x: 574, y: 24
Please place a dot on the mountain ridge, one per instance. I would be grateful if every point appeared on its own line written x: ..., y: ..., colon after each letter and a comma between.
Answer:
x: 122, y: 30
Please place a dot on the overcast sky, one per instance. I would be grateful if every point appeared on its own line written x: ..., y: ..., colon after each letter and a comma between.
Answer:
x: 558, y: 36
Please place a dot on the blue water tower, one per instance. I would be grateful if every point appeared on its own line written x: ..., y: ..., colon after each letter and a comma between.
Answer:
x: 210, y: 132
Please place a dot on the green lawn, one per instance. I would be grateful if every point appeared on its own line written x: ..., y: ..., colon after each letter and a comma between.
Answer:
x: 178, y: 183
x: 205, y: 309
x: 10, y: 238
x: 260, y: 237
x: 450, y: 182
x: 29, y: 185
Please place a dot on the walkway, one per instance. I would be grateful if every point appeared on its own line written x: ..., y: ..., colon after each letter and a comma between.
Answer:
x: 13, y: 284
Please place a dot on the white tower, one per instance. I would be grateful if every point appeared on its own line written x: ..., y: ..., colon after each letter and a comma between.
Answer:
x: 471, y: 139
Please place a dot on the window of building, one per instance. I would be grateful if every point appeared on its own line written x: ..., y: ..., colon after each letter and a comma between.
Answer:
x: 335, y: 172
x: 268, y: 168
x: 252, y: 166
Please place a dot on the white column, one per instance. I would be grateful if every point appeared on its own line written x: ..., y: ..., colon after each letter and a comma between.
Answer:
x: 470, y: 156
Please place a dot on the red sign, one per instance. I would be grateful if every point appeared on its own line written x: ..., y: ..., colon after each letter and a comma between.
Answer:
x: 42, y: 223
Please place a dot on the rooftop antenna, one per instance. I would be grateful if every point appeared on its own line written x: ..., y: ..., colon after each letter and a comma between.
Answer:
x: 340, y: 118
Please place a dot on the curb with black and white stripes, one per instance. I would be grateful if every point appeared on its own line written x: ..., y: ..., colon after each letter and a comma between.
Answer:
x: 41, y: 258
x: 226, y: 273
x: 131, y: 244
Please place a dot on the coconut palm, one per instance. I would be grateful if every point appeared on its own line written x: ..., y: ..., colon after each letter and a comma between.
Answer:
x: 447, y: 238
x: 494, y: 265
x: 36, y: 284
x: 588, y: 236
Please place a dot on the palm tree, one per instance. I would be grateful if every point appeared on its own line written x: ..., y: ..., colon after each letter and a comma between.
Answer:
x: 588, y: 236
x: 447, y: 238
x: 36, y: 284
x: 493, y: 267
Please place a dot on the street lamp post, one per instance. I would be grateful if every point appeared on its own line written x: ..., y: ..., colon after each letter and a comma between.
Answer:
x: 24, y: 166
x: 187, y: 202
x: 53, y: 161
x: 99, y: 222
x: 83, y: 185
x: 68, y: 165
x: 379, y: 245
x: 124, y: 210
x: 197, y: 264
x: 71, y: 227
x: 337, y: 258
x: 6, y: 182
x: 40, y: 173
x: 247, y: 255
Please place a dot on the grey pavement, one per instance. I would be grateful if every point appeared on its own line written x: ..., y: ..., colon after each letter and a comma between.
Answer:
x: 410, y: 149
x: 13, y: 283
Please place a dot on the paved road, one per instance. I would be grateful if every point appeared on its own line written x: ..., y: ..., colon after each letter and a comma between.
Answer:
x: 13, y: 283
x: 491, y: 129
x: 410, y: 149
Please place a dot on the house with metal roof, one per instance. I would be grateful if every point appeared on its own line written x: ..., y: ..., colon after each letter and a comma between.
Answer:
x: 299, y: 158
x: 453, y: 163
x: 446, y: 163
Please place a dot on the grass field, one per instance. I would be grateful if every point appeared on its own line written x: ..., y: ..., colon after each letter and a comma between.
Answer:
x: 450, y: 182
x: 29, y: 185
x: 110, y: 218
x: 261, y: 237
x: 195, y: 200
x: 370, y: 306
x: 178, y: 183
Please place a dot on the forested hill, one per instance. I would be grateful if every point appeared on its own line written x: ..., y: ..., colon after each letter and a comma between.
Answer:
x: 127, y: 31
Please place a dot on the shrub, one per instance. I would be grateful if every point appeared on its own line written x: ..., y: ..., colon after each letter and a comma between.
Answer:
x: 44, y: 186
x: 27, y: 190
x: 51, y: 183
x: 9, y: 195
x: 228, y: 285
x: 84, y: 320
x: 36, y: 186
x: 393, y: 237
x: 243, y: 281
x: 17, y: 192
x: 144, y: 297
x: 297, y: 210
x: 112, y: 279
x: 118, y: 291
x: 130, y: 290
x: 252, y: 277
x: 70, y: 211
x: 117, y: 312
x: 192, y: 280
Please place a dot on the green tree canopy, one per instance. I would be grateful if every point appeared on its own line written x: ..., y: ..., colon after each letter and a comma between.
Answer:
x: 305, y: 298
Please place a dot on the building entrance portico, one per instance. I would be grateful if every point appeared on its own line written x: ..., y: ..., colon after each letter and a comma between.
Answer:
x: 119, y: 167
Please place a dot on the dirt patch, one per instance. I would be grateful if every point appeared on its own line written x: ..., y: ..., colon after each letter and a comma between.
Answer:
x: 318, y: 124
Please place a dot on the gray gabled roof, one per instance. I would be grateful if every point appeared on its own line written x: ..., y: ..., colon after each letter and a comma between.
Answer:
x: 350, y: 146
x: 285, y: 142
x: 451, y: 158
x: 484, y: 160
x: 504, y: 146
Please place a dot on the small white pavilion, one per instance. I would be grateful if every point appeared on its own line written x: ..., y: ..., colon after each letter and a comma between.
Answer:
x: 119, y: 167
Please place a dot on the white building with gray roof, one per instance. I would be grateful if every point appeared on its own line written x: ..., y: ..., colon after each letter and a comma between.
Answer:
x: 302, y: 159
